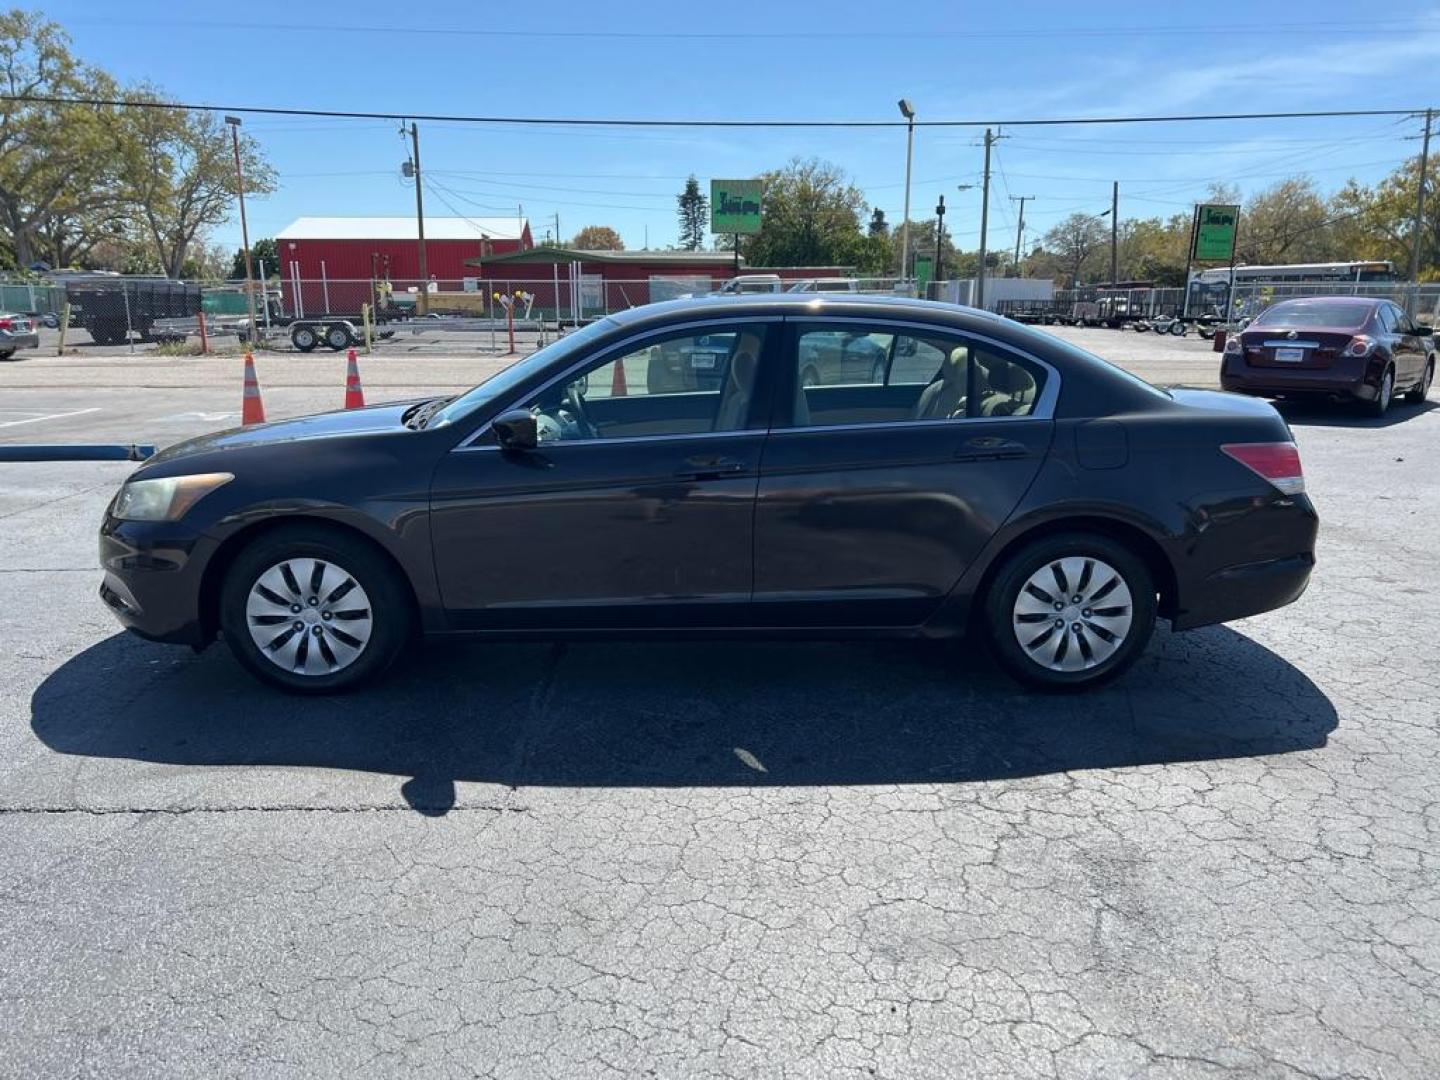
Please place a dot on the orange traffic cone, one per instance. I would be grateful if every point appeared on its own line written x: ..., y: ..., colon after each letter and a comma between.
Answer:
x: 354, y: 393
x: 252, y: 407
x: 617, y: 381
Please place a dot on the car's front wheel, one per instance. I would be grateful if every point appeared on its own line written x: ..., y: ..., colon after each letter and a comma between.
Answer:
x: 1070, y: 611
x: 313, y: 610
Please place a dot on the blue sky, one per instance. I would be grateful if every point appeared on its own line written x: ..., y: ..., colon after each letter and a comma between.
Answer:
x: 837, y: 60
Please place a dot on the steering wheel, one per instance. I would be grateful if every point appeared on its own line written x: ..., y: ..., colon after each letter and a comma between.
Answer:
x: 576, y: 403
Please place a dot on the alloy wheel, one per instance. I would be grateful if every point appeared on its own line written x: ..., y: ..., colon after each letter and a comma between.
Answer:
x: 1073, y: 614
x: 309, y: 616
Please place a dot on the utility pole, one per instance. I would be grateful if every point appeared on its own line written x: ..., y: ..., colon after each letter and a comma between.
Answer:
x: 251, y: 335
x: 423, y: 303
x: 984, y: 221
x: 558, y: 242
x: 1020, y: 227
x: 1114, y: 233
x: 1419, y: 229
x: 908, y: 111
x: 939, y: 244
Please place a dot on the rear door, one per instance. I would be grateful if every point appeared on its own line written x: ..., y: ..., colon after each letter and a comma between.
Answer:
x: 875, y: 494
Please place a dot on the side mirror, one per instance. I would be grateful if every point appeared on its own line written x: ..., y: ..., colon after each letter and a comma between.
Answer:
x: 516, y: 430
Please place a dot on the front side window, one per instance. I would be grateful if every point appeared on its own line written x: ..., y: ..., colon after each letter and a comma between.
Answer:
x: 853, y: 374
x: 681, y: 384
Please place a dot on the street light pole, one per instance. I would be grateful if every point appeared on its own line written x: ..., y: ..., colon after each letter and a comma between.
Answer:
x: 907, y: 110
x: 1419, y: 227
x: 234, y: 122
x: 1114, y: 232
x: 423, y: 302
x: 1020, y: 227
x: 984, y: 222
x: 939, y: 243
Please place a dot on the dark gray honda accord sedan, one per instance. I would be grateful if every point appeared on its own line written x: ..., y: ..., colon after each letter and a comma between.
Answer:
x: 963, y: 474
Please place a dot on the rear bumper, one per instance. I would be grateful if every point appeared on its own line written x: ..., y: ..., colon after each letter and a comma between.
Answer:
x: 153, y: 575
x: 1351, y: 380
x: 1239, y: 591
x: 10, y: 341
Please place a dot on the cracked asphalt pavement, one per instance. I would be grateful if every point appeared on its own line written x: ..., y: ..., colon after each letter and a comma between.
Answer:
x: 722, y: 860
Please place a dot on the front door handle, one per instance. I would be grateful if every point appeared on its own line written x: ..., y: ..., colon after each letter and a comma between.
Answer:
x: 990, y: 448
x: 709, y: 468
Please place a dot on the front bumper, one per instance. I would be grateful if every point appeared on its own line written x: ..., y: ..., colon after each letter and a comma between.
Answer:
x: 11, y: 341
x: 154, y: 572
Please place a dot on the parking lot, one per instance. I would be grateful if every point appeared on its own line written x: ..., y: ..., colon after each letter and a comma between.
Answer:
x: 735, y: 859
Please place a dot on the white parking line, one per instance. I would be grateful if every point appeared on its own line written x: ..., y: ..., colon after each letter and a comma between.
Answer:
x: 47, y: 416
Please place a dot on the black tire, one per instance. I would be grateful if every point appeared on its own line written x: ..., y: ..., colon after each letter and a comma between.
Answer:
x: 1177, y: 328
x: 1000, y: 616
x: 1384, y: 396
x: 388, y: 603
x: 1416, y: 394
x: 304, y: 338
x: 6, y: 354
x: 337, y: 336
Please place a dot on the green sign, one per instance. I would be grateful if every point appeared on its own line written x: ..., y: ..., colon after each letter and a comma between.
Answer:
x: 924, y: 271
x: 1215, y: 233
x: 735, y: 206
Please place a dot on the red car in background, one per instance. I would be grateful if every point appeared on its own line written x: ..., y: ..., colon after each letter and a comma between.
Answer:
x: 1341, y: 348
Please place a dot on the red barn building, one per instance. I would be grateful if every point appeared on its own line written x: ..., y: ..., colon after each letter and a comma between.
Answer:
x: 335, y: 260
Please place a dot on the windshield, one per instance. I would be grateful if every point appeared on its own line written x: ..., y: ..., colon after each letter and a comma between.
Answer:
x: 518, y: 372
x: 1314, y: 313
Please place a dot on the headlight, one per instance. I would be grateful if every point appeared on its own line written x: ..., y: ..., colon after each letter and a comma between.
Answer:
x: 166, y: 499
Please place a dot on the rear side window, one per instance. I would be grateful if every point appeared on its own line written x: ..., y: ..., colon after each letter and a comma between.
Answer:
x: 857, y: 374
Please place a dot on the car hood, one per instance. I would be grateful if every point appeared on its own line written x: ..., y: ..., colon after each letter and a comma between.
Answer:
x: 376, y: 419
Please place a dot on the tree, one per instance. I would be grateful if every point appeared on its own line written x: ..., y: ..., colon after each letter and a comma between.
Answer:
x: 179, y: 172
x: 693, y: 209
x: 55, y: 160
x: 922, y: 242
x: 1286, y: 223
x: 261, y: 251
x: 598, y: 238
x: 1073, y: 241
x: 1378, y: 222
x: 811, y: 216
x: 878, y: 225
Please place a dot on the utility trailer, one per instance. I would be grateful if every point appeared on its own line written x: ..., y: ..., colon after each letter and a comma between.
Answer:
x: 112, y: 308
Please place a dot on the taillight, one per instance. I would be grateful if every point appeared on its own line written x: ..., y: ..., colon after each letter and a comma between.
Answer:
x: 1277, y: 462
x: 1360, y: 345
x: 7, y: 324
x: 1233, y: 347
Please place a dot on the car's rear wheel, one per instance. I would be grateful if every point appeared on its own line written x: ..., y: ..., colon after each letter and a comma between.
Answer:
x: 313, y: 610
x: 1416, y: 394
x: 6, y: 354
x: 1070, y: 611
x: 1381, y: 402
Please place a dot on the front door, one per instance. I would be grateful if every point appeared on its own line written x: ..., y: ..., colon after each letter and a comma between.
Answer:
x: 885, y: 476
x: 636, y: 508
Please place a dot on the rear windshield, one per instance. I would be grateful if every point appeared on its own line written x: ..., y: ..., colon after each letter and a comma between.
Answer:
x: 1314, y: 313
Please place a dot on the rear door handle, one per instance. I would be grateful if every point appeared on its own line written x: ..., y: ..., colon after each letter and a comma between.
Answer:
x: 990, y: 448
x: 709, y: 468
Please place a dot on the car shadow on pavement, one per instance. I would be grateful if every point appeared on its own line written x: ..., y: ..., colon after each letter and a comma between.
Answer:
x: 685, y: 714
x: 1327, y: 414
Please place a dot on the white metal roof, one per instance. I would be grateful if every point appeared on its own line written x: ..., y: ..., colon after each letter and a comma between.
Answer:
x: 402, y: 228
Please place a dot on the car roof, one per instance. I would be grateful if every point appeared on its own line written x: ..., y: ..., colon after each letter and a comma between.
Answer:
x: 839, y: 305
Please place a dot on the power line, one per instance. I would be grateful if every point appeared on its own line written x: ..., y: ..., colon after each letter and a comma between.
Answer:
x: 1289, y: 27
x: 262, y: 110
